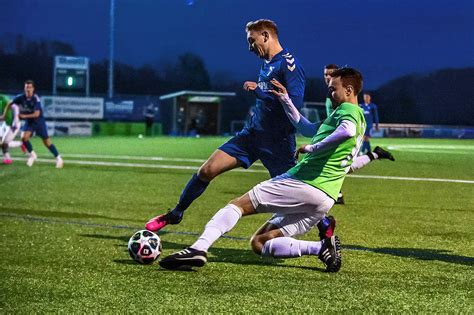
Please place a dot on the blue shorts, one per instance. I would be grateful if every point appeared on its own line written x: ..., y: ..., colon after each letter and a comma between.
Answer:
x: 37, y: 126
x: 276, y: 153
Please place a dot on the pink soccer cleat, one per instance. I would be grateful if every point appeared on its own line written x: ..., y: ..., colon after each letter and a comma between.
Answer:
x: 156, y: 224
x: 7, y: 161
x: 159, y: 222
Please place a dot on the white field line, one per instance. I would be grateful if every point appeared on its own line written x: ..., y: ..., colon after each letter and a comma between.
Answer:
x: 120, y: 164
x: 139, y: 158
x: 432, y: 151
x: 184, y: 167
x: 435, y: 149
x: 433, y: 146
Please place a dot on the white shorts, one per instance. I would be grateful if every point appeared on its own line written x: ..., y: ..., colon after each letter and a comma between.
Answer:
x: 297, y: 206
x: 6, y: 133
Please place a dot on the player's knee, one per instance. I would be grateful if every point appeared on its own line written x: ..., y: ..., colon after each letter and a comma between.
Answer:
x: 257, y: 242
x: 207, y: 172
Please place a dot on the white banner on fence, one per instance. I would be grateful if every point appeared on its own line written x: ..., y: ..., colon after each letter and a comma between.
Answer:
x: 122, y: 107
x: 73, y: 107
x: 69, y: 128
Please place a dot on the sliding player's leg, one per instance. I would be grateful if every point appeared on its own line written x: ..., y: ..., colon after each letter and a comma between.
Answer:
x: 218, y: 163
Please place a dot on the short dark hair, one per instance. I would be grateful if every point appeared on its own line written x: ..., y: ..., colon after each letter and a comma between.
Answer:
x: 30, y: 82
x: 349, y: 76
x: 261, y: 25
x: 367, y: 93
x: 331, y: 66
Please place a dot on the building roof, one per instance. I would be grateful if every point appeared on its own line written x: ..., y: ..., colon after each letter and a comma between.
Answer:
x: 196, y: 93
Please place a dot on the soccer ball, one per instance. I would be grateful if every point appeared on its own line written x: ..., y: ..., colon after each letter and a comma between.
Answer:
x: 144, y: 247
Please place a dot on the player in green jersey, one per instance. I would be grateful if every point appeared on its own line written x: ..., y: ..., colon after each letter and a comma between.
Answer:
x: 9, y: 128
x: 299, y: 198
x: 362, y: 160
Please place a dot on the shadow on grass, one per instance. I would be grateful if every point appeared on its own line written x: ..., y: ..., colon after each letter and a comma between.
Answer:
x: 125, y: 238
x: 417, y: 253
x: 218, y: 255
x: 138, y: 170
x: 54, y: 214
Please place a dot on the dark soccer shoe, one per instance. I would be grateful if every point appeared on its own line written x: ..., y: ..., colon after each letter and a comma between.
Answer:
x: 383, y: 154
x: 340, y: 199
x: 159, y: 222
x: 184, y: 259
x: 326, y: 231
x: 330, y: 254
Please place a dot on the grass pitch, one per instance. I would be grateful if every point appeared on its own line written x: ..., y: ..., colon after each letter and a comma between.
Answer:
x: 407, y: 241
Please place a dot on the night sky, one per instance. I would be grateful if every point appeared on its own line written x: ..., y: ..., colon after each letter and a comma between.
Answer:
x: 382, y: 38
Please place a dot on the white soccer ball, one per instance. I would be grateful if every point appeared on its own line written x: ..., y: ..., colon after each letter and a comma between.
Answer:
x: 144, y: 247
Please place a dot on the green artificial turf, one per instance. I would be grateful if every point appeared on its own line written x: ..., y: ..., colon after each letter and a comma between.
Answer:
x: 407, y: 244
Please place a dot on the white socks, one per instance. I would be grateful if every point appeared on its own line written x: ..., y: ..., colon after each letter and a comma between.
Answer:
x: 287, y: 247
x: 15, y: 144
x: 360, y: 161
x: 222, y: 222
x: 281, y: 247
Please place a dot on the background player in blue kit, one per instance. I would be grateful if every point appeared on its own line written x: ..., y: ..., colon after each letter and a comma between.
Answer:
x: 371, y: 116
x: 32, y: 112
x: 269, y: 136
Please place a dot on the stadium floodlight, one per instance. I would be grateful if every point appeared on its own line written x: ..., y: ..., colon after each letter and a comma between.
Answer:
x: 111, y: 49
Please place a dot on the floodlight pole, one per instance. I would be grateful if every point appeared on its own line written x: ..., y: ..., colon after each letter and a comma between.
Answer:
x: 111, y: 49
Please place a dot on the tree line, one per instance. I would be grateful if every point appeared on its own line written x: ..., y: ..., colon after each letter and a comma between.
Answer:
x: 442, y: 97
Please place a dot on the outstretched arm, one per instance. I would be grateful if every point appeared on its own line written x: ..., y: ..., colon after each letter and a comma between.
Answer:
x: 16, y: 117
x: 303, y: 125
x: 253, y: 87
x: 344, y: 131
x: 36, y: 114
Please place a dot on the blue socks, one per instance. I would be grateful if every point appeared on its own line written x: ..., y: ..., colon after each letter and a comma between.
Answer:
x: 28, y: 146
x: 192, y: 191
x: 365, y: 147
x: 53, y: 150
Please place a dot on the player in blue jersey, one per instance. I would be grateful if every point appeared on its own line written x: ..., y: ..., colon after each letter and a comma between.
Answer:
x: 268, y: 136
x: 302, y: 196
x: 31, y: 111
x: 371, y: 116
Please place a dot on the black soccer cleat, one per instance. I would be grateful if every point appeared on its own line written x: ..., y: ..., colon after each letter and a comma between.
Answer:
x: 383, y: 154
x: 340, y: 199
x: 184, y: 259
x: 326, y: 230
x: 330, y: 254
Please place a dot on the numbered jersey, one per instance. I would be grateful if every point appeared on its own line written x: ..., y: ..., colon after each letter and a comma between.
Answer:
x: 326, y: 170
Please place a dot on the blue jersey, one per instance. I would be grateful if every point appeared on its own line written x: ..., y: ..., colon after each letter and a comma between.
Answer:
x: 29, y: 106
x: 371, y: 114
x: 269, y: 116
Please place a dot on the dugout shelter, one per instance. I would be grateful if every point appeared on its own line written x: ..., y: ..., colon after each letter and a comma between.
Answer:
x: 190, y: 113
